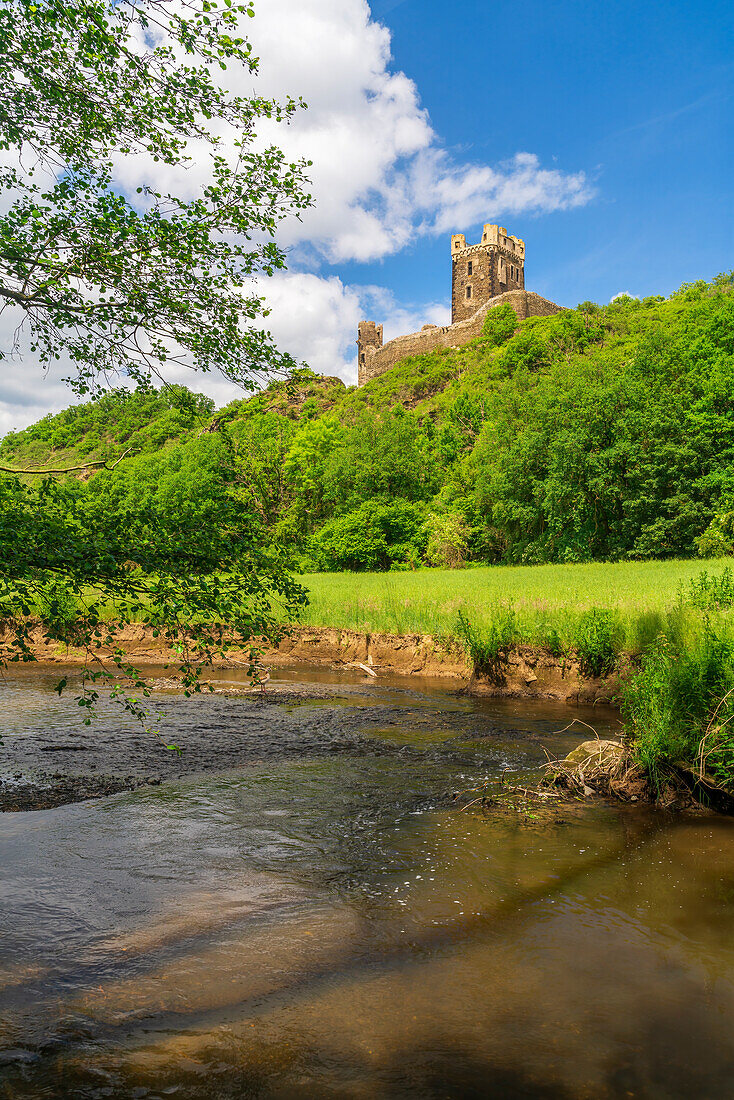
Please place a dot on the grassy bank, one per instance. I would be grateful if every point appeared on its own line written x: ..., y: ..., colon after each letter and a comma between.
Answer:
x: 531, y: 603
x: 671, y: 617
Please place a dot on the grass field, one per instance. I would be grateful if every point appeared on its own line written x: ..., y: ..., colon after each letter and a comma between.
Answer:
x: 537, y: 600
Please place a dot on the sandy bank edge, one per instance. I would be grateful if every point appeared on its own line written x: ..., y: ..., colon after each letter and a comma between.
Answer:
x: 522, y: 671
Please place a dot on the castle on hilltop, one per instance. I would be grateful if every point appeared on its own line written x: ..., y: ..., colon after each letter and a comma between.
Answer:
x: 483, y: 275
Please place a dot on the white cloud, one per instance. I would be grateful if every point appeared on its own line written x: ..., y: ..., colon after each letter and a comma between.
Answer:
x: 380, y: 174
x: 398, y: 319
x: 381, y: 178
x: 28, y: 395
x: 319, y: 317
x: 313, y: 317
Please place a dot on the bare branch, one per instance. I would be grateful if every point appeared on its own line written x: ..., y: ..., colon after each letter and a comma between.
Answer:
x: 100, y: 464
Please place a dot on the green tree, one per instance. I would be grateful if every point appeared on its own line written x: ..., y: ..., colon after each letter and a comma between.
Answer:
x: 132, y: 287
x: 373, y: 536
x: 117, y: 286
x: 84, y: 562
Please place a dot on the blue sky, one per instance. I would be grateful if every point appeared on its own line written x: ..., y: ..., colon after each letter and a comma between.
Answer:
x: 599, y: 133
x: 637, y: 95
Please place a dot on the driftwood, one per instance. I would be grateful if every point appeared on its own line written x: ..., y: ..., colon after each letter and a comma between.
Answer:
x: 595, y: 767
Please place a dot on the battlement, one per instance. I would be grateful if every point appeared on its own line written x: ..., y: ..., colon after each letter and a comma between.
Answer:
x: 497, y: 235
x: 494, y: 237
x: 370, y: 333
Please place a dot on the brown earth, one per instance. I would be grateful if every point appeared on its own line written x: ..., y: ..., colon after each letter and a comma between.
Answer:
x: 520, y: 672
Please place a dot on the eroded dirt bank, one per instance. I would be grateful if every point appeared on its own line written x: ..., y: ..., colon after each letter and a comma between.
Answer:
x: 521, y: 672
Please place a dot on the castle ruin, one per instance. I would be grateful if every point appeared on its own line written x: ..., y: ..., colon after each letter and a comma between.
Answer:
x: 483, y: 276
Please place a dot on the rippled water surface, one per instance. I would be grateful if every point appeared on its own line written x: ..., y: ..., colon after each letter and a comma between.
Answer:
x: 300, y: 910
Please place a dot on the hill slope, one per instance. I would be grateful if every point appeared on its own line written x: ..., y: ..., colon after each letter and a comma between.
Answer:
x: 599, y: 433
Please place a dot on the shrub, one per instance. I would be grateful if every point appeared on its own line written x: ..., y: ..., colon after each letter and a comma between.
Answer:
x: 499, y: 325
x: 711, y: 593
x: 717, y: 541
x: 486, y: 644
x: 550, y: 638
x: 531, y: 349
x: 372, y: 537
x: 598, y: 638
x: 679, y: 709
x: 448, y: 540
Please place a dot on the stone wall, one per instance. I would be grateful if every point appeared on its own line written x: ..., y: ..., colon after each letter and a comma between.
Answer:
x: 380, y: 359
x: 369, y: 335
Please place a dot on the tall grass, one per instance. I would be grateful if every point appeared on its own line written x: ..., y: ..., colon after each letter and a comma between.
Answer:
x: 679, y: 708
x: 550, y: 604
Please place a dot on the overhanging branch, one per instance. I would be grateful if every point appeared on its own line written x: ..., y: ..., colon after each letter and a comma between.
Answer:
x: 100, y: 464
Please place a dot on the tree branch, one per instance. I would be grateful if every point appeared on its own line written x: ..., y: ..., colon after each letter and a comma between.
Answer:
x: 70, y: 469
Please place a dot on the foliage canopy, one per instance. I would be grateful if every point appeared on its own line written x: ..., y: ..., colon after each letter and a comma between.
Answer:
x: 603, y: 433
x: 112, y: 283
x: 94, y: 91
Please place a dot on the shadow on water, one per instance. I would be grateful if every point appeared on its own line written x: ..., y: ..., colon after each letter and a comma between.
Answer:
x: 309, y: 922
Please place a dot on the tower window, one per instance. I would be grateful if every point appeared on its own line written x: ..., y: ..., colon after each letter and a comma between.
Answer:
x: 469, y: 268
x: 468, y: 292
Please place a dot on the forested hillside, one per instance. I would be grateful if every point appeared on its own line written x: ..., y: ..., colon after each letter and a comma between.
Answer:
x: 599, y: 433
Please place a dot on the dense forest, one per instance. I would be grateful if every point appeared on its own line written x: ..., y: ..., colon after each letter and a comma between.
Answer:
x: 601, y: 433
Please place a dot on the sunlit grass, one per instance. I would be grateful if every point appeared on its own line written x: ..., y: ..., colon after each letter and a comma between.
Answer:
x: 545, y: 598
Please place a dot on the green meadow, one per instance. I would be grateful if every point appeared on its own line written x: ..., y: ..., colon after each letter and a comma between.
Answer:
x: 533, y: 602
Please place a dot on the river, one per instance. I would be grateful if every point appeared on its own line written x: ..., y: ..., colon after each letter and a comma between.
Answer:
x: 300, y: 909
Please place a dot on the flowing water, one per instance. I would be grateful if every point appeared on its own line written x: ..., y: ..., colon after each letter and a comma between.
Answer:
x: 300, y: 910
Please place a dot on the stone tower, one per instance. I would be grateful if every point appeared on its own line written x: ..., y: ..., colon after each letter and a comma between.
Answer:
x: 369, y: 339
x: 482, y: 271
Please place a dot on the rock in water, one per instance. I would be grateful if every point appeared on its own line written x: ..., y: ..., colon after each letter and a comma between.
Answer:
x: 605, y: 755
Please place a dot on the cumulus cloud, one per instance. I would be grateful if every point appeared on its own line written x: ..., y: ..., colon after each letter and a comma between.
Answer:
x: 380, y: 174
x: 319, y: 316
x: 381, y: 178
x: 27, y: 393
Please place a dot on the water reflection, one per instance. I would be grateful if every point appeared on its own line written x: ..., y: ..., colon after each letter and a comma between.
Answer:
x: 323, y: 923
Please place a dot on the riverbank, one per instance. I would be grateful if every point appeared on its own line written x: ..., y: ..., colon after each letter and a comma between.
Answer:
x: 677, y: 697
x: 520, y: 671
x: 533, y: 605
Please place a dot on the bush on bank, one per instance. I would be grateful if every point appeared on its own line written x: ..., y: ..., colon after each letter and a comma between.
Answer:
x: 679, y: 710
x: 677, y: 695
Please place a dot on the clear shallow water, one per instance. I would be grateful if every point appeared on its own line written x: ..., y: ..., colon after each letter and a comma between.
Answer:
x: 317, y: 919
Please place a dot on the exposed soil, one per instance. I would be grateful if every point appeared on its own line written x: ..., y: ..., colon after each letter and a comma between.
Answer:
x: 522, y: 672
